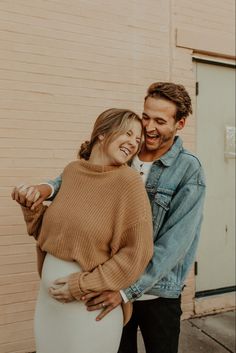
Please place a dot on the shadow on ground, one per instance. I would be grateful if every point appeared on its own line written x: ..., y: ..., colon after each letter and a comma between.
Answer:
x: 209, y: 334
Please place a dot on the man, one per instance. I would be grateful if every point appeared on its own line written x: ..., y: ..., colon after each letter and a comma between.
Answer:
x: 175, y: 185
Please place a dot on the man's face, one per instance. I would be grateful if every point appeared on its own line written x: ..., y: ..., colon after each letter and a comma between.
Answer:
x: 159, y: 125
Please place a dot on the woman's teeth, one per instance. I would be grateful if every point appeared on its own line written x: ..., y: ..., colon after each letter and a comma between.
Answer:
x: 125, y: 150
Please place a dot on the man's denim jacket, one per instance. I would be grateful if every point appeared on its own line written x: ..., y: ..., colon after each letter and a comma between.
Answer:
x: 176, y: 190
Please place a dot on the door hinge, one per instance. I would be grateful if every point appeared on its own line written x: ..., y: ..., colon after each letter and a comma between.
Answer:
x: 195, y: 268
x: 197, y: 88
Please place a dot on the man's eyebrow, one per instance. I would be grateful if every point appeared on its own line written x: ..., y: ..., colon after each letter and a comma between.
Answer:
x: 156, y: 117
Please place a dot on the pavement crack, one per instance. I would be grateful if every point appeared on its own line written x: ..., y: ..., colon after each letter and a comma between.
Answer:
x: 214, y: 339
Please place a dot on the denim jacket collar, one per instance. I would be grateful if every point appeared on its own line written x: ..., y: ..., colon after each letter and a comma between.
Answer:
x: 169, y: 157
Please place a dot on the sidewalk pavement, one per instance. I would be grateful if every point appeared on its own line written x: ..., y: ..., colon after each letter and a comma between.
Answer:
x: 208, y: 334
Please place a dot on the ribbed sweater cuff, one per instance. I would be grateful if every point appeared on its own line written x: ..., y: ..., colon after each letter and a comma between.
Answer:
x: 33, y: 219
x: 29, y: 214
x: 74, y: 287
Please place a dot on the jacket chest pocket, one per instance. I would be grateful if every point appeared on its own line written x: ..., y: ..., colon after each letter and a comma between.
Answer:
x: 160, y: 202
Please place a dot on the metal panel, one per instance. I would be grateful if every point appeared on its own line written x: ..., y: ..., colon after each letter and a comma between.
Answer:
x: 215, y: 113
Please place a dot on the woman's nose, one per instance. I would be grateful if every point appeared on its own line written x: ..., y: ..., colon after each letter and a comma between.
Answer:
x: 133, y: 142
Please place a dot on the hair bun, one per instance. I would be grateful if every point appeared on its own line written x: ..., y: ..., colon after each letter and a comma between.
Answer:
x: 85, y: 150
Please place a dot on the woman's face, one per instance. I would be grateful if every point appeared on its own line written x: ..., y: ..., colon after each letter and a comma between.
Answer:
x: 123, y: 147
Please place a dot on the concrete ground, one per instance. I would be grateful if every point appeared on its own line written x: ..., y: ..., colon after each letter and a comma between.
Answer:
x: 208, y: 334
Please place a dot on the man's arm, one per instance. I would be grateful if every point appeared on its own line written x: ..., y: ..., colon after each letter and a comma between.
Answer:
x: 176, y: 235
x: 55, y: 184
x: 174, y: 241
x: 49, y: 189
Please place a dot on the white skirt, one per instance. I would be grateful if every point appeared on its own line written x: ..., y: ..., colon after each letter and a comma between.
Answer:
x: 69, y: 327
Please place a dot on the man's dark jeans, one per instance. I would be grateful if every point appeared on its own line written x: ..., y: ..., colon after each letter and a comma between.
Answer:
x: 159, y: 322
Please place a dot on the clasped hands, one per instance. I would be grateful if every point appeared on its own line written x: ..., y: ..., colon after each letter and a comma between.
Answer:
x: 30, y: 195
x: 107, y: 300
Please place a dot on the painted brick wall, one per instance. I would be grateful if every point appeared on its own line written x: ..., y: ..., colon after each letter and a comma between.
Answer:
x: 206, y: 16
x: 61, y: 63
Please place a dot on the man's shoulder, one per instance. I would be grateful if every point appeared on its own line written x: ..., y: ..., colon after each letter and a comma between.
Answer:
x: 192, y: 167
x: 190, y: 158
x: 179, y: 157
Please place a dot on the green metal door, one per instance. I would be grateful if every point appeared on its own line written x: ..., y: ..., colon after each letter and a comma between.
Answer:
x: 215, y: 113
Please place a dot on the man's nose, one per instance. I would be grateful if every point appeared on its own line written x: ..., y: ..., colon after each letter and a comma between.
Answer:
x: 150, y: 126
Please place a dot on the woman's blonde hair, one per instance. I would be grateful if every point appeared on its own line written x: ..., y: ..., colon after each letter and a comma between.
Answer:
x: 109, y: 124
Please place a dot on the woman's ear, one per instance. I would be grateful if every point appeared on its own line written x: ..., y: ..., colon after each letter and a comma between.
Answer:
x: 101, y: 137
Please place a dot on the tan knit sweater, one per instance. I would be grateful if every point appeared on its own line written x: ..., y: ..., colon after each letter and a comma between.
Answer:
x: 100, y: 218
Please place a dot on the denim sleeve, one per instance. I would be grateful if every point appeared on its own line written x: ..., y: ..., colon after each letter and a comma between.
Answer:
x: 176, y: 236
x: 56, y: 183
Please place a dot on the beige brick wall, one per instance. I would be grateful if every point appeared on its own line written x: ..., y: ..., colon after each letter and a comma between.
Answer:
x: 206, y: 16
x: 62, y: 62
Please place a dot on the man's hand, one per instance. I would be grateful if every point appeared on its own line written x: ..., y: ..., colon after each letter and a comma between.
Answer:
x: 31, y: 196
x: 107, y: 301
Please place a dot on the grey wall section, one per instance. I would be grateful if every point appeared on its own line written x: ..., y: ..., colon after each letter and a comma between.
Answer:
x: 216, y: 112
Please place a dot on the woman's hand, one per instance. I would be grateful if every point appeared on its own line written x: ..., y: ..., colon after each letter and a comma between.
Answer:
x: 60, y: 290
x: 31, y: 195
x: 21, y: 195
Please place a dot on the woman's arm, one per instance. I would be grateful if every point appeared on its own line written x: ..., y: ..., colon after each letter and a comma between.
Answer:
x: 33, y: 218
x: 125, y: 266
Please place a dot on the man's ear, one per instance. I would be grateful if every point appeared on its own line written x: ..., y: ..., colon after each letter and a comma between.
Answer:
x: 181, y: 123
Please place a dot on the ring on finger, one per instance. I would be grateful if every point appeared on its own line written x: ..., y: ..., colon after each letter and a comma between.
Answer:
x: 104, y: 305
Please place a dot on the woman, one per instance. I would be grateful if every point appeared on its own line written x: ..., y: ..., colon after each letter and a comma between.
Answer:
x: 96, y: 235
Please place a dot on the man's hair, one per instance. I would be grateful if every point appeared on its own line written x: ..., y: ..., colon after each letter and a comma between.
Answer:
x: 111, y: 123
x: 174, y: 93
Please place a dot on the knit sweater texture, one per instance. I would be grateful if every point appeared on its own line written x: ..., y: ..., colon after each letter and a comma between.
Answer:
x: 100, y: 218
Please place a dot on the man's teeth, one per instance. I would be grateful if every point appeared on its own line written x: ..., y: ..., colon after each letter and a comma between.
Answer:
x: 152, y: 136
